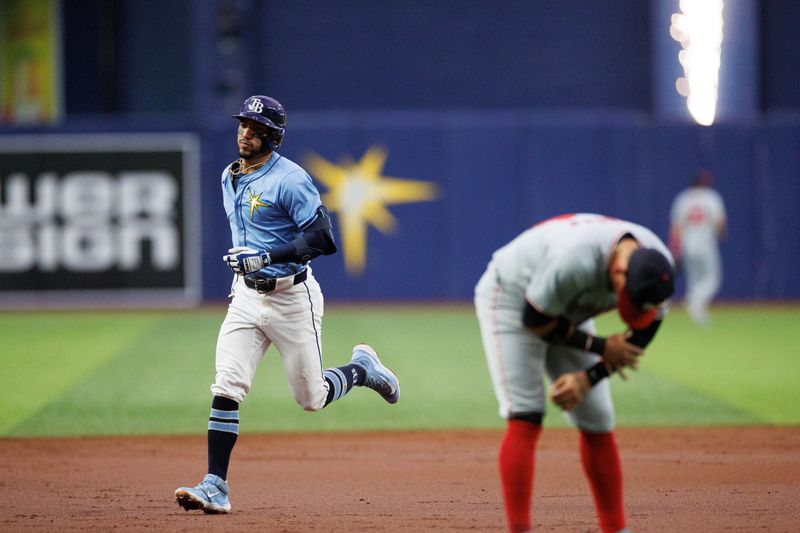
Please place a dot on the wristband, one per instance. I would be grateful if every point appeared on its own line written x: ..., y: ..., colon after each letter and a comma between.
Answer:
x: 597, y: 373
x: 598, y: 345
x: 586, y: 342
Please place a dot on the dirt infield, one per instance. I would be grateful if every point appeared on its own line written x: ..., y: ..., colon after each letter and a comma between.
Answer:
x: 743, y: 479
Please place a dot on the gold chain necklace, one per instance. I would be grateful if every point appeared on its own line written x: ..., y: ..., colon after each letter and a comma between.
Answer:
x: 242, y: 169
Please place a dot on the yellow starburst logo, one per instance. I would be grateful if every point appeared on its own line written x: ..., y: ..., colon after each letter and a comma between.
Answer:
x: 255, y: 202
x: 359, y: 194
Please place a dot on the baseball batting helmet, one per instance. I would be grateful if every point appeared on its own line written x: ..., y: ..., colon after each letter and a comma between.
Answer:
x: 266, y: 111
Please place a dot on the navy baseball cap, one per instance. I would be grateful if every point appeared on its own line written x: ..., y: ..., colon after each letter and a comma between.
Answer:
x: 650, y: 280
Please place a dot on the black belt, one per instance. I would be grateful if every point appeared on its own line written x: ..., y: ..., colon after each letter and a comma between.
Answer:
x: 265, y: 285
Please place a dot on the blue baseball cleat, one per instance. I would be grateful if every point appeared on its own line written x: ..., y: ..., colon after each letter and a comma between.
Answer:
x: 211, y: 495
x: 379, y: 378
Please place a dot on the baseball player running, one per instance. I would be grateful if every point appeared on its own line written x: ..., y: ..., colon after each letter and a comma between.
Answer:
x: 535, y: 304
x: 278, y: 225
x: 697, y: 222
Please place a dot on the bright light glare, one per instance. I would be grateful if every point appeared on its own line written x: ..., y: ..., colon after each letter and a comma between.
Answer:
x: 699, y: 30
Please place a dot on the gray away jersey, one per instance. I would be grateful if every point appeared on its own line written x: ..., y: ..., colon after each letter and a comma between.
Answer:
x: 561, y: 264
x: 698, y: 211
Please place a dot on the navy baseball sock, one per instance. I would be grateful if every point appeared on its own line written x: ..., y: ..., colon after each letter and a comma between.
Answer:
x: 223, y: 429
x: 341, y: 380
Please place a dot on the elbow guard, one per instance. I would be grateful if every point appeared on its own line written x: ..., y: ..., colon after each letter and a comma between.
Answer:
x: 319, y: 234
x: 312, y: 244
x: 316, y: 240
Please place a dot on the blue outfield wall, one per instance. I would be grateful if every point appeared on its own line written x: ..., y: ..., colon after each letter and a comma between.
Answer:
x: 498, y: 173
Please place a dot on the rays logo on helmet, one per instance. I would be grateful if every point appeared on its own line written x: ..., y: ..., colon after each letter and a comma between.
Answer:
x: 255, y: 105
x: 267, y: 111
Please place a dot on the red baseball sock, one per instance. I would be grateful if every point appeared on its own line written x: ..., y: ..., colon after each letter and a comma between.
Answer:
x: 517, y: 462
x: 601, y: 463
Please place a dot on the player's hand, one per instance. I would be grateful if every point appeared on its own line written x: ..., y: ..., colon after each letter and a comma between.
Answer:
x: 244, y: 260
x: 620, y: 353
x: 569, y: 389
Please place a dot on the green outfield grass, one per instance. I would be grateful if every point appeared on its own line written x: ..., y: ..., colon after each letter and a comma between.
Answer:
x: 87, y: 373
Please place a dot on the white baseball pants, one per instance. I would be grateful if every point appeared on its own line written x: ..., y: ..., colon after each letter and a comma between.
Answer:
x: 518, y: 360
x: 292, y: 320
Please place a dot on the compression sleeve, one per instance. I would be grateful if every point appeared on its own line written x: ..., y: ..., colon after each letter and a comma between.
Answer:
x: 533, y: 318
x: 564, y: 332
x: 642, y: 337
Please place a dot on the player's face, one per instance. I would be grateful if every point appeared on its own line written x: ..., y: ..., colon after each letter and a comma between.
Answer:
x: 250, y: 139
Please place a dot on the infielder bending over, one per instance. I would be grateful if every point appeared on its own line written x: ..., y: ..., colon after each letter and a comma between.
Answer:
x: 278, y: 224
x: 535, y: 304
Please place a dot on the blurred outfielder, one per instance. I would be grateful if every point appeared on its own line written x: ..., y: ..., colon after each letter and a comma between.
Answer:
x: 535, y: 304
x: 278, y: 225
x: 697, y: 222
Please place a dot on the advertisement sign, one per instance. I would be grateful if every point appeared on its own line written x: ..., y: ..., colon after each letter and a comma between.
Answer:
x: 107, y: 218
x: 30, y: 90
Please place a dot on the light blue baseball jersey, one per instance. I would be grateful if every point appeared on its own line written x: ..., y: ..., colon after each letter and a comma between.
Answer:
x: 270, y: 207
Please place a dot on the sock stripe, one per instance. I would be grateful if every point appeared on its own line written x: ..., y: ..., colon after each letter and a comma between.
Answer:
x: 334, y: 381
x: 338, y: 381
x: 224, y: 420
x: 231, y: 415
x: 227, y: 421
x: 343, y: 379
x: 222, y: 426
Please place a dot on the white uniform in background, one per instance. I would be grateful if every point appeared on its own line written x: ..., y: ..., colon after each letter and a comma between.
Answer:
x: 697, y: 222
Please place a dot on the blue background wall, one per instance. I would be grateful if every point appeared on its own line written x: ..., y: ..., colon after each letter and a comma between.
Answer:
x: 527, y: 167
x: 517, y: 111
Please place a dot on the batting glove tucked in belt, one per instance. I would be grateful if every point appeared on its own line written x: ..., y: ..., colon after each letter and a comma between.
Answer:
x: 244, y: 260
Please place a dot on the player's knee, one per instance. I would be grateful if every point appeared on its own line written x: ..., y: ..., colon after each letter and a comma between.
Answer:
x: 227, y: 385
x: 311, y: 398
x: 312, y: 407
x: 593, y: 417
x: 310, y: 392
x: 597, y: 426
x: 311, y: 404
x: 596, y: 412
x: 595, y: 422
